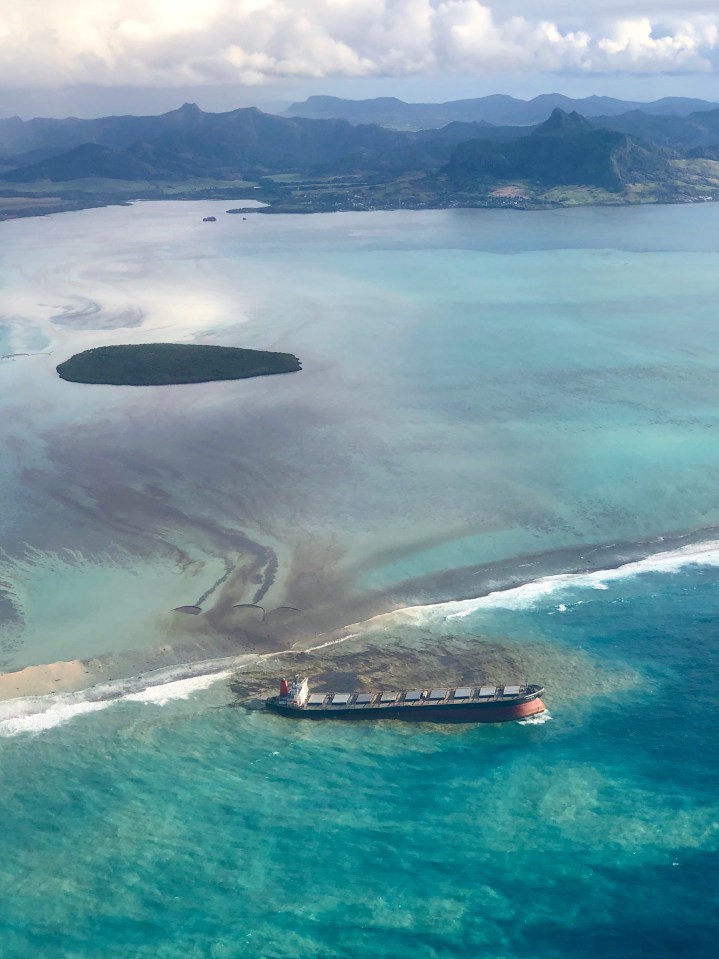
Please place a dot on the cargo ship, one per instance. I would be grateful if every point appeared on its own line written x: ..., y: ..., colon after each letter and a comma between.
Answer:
x: 458, y: 704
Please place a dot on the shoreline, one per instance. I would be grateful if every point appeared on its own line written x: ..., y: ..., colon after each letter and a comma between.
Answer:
x: 290, y: 209
x: 113, y: 676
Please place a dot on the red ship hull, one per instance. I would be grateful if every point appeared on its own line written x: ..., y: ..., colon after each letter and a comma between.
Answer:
x: 477, y: 712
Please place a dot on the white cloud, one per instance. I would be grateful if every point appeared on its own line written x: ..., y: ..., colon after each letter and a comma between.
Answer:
x: 635, y: 44
x: 165, y: 42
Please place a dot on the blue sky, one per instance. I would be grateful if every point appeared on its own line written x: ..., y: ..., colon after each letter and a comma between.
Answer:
x: 91, y: 58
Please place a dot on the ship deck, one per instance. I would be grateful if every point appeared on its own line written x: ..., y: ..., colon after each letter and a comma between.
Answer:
x: 414, y: 699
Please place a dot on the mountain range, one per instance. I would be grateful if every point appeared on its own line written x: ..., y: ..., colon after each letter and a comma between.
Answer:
x: 565, y: 149
x: 244, y: 143
x: 299, y: 163
x: 688, y: 134
x: 498, y: 109
x: 247, y: 143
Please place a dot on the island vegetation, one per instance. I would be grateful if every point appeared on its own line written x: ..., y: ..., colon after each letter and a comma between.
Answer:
x: 165, y: 364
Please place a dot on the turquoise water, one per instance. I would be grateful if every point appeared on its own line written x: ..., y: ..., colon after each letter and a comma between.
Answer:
x: 488, y: 398
x: 195, y: 829
x: 477, y: 386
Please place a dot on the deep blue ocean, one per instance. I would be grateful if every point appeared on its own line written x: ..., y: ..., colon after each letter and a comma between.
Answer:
x: 481, y: 390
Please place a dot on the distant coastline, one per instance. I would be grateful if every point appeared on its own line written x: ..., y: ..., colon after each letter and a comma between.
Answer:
x: 502, y: 199
x: 550, y: 159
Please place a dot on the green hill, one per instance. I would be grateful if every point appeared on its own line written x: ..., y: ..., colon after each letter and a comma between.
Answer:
x: 566, y: 149
x: 87, y: 160
x: 246, y: 143
x: 683, y: 133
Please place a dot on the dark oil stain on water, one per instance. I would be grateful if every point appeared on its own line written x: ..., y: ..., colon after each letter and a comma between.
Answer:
x: 481, y: 389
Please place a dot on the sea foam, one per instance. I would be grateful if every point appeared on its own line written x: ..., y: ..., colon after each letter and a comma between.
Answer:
x: 178, y: 689
x: 37, y: 717
x: 531, y: 594
x: 36, y: 714
x: 539, y: 719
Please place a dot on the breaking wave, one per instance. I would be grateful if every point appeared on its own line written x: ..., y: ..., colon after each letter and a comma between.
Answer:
x: 36, y: 717
x: 179, y: 689
x: 534, y: 592
x: 36, y: 714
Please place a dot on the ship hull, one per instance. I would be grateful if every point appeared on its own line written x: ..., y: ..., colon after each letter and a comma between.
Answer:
x: 483, y: 712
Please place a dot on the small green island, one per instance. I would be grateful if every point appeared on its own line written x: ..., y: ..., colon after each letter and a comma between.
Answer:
x: 168, y: 364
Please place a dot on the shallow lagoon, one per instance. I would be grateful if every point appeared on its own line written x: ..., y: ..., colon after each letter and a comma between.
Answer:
x: 477, y: 386
x: 536, y: 392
